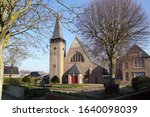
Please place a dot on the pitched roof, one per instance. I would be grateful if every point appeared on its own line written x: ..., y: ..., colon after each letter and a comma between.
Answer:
x: 77, y: 43
x: 46, y: 76
x: 74, y: 70
x: 34, y: 74
x: 58, y: 29
x: 136, y: 48
x: 8, y: 68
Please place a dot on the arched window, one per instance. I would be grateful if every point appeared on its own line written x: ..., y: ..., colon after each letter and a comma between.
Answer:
x: 77, y: 57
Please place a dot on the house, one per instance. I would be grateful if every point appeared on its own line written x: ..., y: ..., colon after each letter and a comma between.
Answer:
x: 45, y: 79
x: 34, y: 75
x: 15, y: 72
x: 75, y: 66
x: 136, y: 62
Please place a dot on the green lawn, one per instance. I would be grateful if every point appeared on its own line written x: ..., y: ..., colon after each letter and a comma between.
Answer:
x: 69, y: 85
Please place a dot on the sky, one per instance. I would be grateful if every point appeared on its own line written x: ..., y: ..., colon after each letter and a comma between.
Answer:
x: 42, y: 63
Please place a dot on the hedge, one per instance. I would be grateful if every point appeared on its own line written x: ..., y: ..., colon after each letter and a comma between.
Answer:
x: 12, y: 81
x: 141, y: 83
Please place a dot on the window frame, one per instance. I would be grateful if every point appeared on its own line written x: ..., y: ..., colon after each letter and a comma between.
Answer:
x: 77, y: 57
x: 138, y: 63
x: 137, y: 74
x: 126, y: 76
x: 126, y: 65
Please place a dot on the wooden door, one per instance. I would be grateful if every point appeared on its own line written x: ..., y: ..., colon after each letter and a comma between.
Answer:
x: 74, y: 79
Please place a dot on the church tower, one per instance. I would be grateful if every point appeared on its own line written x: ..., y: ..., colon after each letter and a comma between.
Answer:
x: 57, y: 51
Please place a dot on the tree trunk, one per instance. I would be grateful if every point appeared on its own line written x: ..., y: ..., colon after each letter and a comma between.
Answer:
x: 10, y: 74
x: 11, y: 71
x: 1, y: 70
x: 112, y: 68
x: 111, y: 87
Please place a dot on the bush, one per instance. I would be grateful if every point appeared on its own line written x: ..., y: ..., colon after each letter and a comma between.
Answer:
x: 6, y: 80
x: 141, y: 83
x: 55, y: 79
x: 15, y: 81
x: 34, y: 81
x: 26, y: 79
x: 12, y: 81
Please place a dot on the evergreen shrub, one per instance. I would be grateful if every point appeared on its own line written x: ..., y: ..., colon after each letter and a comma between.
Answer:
x: 141, y: 83
x: 55, y: 79
x: 26, y: 79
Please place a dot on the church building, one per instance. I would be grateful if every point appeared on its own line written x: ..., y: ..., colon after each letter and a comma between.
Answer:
x: 75, y: 66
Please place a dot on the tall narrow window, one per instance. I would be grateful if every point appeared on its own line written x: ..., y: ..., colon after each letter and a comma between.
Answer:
x: 77, y: 57
x: 126, y: 76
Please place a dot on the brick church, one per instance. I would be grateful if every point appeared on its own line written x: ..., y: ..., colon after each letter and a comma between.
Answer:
x: 75, y: 66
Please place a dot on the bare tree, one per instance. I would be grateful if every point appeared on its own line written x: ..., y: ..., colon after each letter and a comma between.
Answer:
x: 27, y: 20
x: 112, y: 25
x: 14, y: 55
x: 8, y: 16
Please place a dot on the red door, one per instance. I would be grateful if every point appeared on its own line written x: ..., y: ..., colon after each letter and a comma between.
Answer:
x: 74, y: 79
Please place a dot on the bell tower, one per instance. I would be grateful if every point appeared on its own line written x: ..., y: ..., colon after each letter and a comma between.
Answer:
x: 57, y: 51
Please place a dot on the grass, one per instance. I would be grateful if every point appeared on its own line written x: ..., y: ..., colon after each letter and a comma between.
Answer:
x: 69, y: 85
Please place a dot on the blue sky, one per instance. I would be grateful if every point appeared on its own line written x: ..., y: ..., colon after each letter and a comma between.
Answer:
x: 42, y: 63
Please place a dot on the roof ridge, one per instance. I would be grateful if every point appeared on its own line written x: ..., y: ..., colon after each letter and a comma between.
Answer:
x: 86, y: 52
x: 74, y: 69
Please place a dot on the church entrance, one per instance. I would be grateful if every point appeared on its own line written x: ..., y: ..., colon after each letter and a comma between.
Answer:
x: 74, y: 79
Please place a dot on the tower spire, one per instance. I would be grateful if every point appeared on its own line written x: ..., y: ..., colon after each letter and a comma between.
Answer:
x: 57, y: 51
x: 58, y: 28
